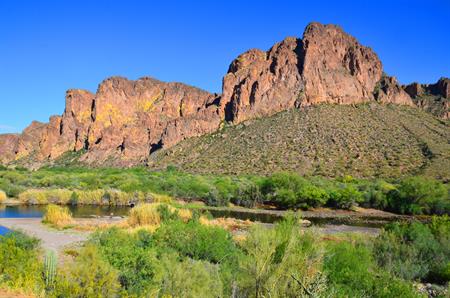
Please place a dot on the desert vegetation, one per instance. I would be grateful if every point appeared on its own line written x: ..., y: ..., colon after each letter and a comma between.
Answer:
x: 284, y: 190
x: 58, y: 217
x: 187, y: 258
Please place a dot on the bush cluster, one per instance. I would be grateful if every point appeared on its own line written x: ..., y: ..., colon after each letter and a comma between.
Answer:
x: 188, y: 259
x: 412, y: 195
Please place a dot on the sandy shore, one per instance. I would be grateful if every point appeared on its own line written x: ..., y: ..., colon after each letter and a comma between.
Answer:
x: 51, y: 239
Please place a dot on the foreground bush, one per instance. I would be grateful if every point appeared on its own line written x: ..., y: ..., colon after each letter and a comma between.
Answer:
x: 20, y: 267
x: 190, y: 279
x: 197, y: 241
x: 281, y: 262
x: 3, y: 196
x: 57, y: 216
x: 88, y: 276
x: 416, y: 251
x: 352, y: 272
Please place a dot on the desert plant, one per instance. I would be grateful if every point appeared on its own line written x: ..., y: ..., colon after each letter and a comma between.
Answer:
x: 59, y: 217
x: 50, y: 269
x: 415, y: 251
x: 2, y: 196
x: 20, y: 267
x: 281, y: 262
x: 420, y: 195
x: 88, y: 276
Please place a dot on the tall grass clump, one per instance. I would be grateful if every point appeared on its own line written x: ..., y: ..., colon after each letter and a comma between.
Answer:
x: 57, y: 216
x: 144, y: 214
x: 45, y: 196
x: 2, y: 196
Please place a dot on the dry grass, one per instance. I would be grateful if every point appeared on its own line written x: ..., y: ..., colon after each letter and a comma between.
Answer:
x: 148, y: 214
x: 3, y: 196
x: 144, y: 214
x: 230, y: 224
x: 9, y: 293
x: 57, y: 216
x: 161, y: 198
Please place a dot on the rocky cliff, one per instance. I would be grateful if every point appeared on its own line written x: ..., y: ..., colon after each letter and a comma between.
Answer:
x: 125, y: 121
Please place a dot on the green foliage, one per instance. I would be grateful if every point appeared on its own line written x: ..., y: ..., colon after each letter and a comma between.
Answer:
x: 281, y: 262
x: 420, y: 195
x: 416, y: 251
x: 190, y: 279
x: 50, y: 269
x: 197, y: 241
x: 352, y: 272
x: 19, y: 265
x: 88, y: 276
x: 133, y: 256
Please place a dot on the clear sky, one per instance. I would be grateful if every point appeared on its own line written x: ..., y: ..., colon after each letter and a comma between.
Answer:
x: 47, y: 47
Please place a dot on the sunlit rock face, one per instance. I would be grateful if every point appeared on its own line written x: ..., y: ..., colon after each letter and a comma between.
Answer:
x: 125, y: 121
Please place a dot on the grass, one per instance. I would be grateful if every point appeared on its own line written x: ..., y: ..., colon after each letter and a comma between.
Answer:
x: 367, y: 140
x: 3, y: 196
x: 57, y: 216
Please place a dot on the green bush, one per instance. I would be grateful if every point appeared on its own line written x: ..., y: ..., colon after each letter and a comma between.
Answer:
x: 133, y: 256
x: 197, y: 241
x: 415, y: 251
x: 20, y: 267
x: 352, y: 272
x: 190, y: 279
x: 88, y: 276
x: 420, y: 195
x: 281, y: 262
x: 344, y: 196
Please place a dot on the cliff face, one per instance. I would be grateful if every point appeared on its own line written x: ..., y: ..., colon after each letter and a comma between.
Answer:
x: 125, y: 121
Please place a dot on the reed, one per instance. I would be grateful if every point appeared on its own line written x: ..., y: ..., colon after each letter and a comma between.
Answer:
x: 57, y: 216
x: 2, y: 196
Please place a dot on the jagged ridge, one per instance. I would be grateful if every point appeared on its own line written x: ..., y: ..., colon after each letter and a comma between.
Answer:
x: 126, y: 121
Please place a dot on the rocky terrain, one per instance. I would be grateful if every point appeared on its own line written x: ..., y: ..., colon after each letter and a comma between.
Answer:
x: 126, y: 121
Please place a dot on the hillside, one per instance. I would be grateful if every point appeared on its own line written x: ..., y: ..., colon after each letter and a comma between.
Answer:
x: 126, y: 121
x: 366, y: 140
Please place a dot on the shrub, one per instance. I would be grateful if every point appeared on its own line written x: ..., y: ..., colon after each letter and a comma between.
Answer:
x: 20, y: 267
x: 57, y: 216
x: 420, y: 195
x: 88, y: 276
x: 289, y: 190
x: 2, y: 196
x: 281, y: 262
x: 415, y: 251
x: 135, y: 258
x: 248, y: 195
x: 344, y: 196
x: 190, y: 279
x: 352, y: 273
x: 196, y: 241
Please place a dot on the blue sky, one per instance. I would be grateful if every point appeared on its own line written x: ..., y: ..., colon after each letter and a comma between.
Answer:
x: 47, y: 47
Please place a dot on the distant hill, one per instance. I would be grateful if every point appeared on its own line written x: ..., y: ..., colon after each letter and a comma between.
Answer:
x: 365, y: 140
x: 126, y: 123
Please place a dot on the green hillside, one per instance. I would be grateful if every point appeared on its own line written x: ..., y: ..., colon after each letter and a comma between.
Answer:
x: 367, y: 140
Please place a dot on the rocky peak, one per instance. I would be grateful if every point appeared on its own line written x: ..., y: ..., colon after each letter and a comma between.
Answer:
x: 125, y: 121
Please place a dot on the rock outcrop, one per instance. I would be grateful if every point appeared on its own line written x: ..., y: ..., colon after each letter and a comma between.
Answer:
x: 433, y: 98
x: 125, y: 121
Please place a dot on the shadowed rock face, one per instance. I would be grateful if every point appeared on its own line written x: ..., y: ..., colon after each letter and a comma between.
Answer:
x: 125, y: 121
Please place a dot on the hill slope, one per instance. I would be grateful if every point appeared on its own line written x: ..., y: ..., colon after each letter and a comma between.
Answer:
x: 365, y: 140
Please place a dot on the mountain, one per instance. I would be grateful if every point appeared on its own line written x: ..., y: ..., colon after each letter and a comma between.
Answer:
x: 127, y: 123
